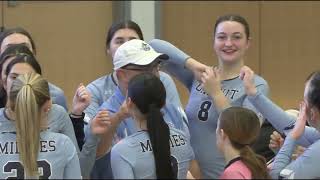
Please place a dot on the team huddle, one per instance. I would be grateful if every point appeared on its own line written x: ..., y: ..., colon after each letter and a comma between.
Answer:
x: 130, y: 124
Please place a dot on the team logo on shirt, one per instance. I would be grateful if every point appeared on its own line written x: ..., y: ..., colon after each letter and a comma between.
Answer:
x: 230, y: 93
x: 175, y: 141
x: 11, y: 147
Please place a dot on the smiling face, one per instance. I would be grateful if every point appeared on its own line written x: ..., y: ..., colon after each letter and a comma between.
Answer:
x: 230, y: 41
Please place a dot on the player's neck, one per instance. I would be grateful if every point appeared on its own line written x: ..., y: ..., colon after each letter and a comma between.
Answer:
x: 230, y: 70
x: 141, y: 121
x: 230, y: 153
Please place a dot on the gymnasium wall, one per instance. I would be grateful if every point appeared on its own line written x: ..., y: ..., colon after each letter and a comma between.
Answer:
x: 285, y: 39
x: 70, y: 37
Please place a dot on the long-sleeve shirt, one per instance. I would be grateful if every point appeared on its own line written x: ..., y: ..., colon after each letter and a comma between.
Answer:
x: 100, y: 89
x: 132, y: 157
x: 59, y: 122
x: 57, y: 158
x: 57, y: 96
x: 281, y: 120
x: 105, y: 89
x: 304, y: 167
x: 201, y: 111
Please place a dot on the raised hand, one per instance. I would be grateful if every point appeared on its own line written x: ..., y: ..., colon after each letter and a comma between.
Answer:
x: 297, y: 152
x: 211, y: 81
x: 276, y: 141
x: 196, y: 67
x: 81, y: 100
x: 123, y: 111
x: 299, y: 127
x: 247, y: 76
x: 101, y: 122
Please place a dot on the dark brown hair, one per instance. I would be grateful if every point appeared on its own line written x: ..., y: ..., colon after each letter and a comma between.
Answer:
x: 18, y: 30
x: 236, y: 18
x: 122, y: 25
x: 313, y: 95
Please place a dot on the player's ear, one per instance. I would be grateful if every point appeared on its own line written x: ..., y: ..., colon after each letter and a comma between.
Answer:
x: 223, y: 134
x: 46, y: 107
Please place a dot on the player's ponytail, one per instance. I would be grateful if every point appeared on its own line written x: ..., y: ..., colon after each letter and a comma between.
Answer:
x: 149, y: 95
x: 28, y: 94
x: 159, y: 136
x: 255, y: 162
x: 242, y: 126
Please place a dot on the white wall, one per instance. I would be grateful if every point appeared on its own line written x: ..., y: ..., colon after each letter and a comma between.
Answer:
x: 143, y: 13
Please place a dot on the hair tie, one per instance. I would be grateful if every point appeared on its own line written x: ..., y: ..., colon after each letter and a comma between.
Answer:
x: 28, y: 85
x: 240, y: 145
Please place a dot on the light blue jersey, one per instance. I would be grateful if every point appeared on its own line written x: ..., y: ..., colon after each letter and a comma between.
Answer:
x: 57, y: 158
x: 57, y: 96
x: 172, y: 114
x: 281, y: 120
x: 201, y: 111
x: 203, y: 117
x: 132, y: 157
x: 306, y: 166
x: 102, y: 89
x: 59, y: 122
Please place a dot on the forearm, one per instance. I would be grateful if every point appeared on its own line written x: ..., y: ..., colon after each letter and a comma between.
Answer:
x: 185, y: 76
x: 176, y: 64
x: 220, y: 101
x: 88, y: 154
x: 273, y: 113
x: 78, y: 125
x: 176, y: 55
x: 68, y: 130
x: 105, y: 143
x: 283, y: 157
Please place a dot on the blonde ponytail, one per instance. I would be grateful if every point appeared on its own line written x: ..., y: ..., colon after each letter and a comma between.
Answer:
x: 28, y: 94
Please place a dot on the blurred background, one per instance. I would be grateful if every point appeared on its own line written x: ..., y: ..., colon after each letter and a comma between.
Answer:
x: 70, y: 37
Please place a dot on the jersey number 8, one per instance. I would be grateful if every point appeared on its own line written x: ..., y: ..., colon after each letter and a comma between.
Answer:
x: 203, y: 113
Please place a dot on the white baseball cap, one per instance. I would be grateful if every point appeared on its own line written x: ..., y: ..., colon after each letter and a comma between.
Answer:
x: 136, y: 52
